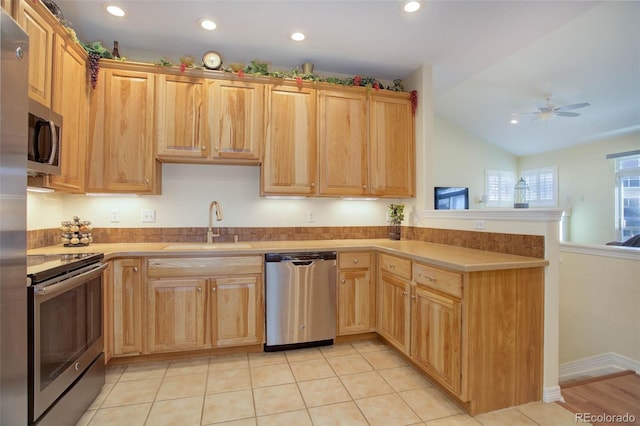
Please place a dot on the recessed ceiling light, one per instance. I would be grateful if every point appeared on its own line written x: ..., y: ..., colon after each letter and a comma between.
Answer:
x: 411, y: 6
x: 297, y: 36
x: 513, y: 121
x: 115, y: 10
x: 207, y: 24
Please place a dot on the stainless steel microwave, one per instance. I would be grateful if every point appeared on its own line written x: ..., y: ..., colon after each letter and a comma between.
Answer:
x: 45, y: 131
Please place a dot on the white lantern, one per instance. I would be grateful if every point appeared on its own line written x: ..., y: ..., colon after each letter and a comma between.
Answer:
x: 520, y: 194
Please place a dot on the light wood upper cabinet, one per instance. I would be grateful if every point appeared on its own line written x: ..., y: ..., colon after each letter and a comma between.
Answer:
x: 175, y: 314
x: 71, y: 100
x: 392, y: 145
x: 356, y: 294
x: 30, y: 16
x: 289, y: 166
x: 127, y: 307
x: 436, y: 331
x: 236, y: 311
x: 236, y: 119
x: 180, y: 116
x: 342, y: 133
x: 122, y: 152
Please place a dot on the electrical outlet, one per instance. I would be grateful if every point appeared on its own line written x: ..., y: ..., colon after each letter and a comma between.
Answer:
x: 148, y: 216
x: 478, y: 224
x: 311, y: 216
x: 115, y: 215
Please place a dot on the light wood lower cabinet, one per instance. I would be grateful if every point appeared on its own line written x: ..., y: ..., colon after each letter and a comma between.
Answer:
x: 107, y: 311
x: 394, y: 315
x: 356, y: 294
x: 201, y: 303
x: 236, y: 311
x: 175, y: 314
x: 436, y: 332
x: 127, y: 307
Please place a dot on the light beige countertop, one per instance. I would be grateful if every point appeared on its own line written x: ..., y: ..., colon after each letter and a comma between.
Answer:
x: 446, y: 256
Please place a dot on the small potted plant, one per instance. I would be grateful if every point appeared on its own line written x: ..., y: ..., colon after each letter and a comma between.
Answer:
x: 396, y: 216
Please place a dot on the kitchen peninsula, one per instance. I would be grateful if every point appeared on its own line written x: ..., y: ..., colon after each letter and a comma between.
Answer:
x: 472, y: 320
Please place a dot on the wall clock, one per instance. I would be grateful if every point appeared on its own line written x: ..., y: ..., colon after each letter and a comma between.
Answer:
x: 212, y: 60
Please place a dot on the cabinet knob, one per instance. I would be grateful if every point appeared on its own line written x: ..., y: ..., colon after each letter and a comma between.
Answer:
x: 404, y: 293
x: 431, y: 278
x: 392, y: 266
x: 146, y: 180
x: 199, y: 289
x: 364, y: 186
x: 313, y: 184
x: 344, y: 281
x: 355, y: 260
x: 213, y: 290
x: 204, y: 148
x: 135, y: 269
x: 413, y: 296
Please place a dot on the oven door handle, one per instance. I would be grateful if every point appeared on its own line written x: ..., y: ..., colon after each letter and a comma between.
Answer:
x: 52, y: 290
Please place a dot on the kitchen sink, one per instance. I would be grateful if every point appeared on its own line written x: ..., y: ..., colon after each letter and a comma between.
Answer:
x: 206, y: 246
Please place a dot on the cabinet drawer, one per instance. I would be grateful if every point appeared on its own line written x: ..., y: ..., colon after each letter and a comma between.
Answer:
x: 396, y: 265
x: 203, y: 266
x: 354, y: 260
x: 438, y: 279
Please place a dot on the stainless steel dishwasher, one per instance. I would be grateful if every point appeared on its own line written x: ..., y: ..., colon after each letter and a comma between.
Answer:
x: 300, y: 300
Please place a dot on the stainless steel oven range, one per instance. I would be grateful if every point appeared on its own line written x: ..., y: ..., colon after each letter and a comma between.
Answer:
x: 65, y: 341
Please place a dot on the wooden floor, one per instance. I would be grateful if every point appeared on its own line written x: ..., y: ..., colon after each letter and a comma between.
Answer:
x: 615, y: 394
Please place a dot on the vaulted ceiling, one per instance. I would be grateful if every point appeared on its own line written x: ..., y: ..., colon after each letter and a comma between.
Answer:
x: 490, y: 59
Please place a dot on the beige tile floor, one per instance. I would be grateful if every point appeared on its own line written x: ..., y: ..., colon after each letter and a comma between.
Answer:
x: 359, y: 383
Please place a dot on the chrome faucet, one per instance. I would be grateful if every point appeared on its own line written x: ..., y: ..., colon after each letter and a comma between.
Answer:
x: 210, y: 233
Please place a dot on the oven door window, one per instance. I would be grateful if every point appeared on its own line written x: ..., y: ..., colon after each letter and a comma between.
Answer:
x: 69, y: 324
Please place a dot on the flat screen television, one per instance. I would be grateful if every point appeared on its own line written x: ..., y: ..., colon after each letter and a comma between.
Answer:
x: 451, y: 198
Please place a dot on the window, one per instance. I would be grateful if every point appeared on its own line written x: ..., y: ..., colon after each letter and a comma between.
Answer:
x: 543, y: 186
x: 499, y: 188
x: 627, y: 197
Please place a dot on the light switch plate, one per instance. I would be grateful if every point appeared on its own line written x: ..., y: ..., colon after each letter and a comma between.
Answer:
x: 148, y: 216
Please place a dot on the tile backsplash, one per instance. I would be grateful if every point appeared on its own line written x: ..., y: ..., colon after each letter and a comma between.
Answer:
x: 518, y: 244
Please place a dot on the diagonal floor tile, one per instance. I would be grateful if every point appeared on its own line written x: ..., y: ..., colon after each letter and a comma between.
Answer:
x: 323, y: 392
x: 223, y: 407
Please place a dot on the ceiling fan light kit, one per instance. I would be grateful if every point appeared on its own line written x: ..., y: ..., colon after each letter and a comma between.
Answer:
x: 549, y: 111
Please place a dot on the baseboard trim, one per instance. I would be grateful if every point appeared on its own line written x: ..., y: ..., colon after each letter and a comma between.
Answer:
x: 552, y: 394
x: 598, y: 365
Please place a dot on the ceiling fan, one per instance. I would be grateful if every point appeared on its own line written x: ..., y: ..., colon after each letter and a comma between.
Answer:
x: 548, y: 111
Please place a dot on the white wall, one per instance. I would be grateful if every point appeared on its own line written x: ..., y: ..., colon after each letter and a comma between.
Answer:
x: 187, y: 191
x: 599, y: 303
x: 461, y: 160
x: 586, y: 181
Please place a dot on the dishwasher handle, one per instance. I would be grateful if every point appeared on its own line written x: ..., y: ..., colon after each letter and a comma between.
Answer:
x: 300, y: 262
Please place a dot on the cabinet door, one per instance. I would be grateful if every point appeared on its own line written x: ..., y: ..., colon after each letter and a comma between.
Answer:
x: 394, y: 311
x: 236, y: 119
x: 129, y: 160
x: 342, y: 134
x: 179, y: 116
x: 237, y: 311
x: 107, y: 311
x: 391, y: 136
x: 289, y: 166
x: 41, y: 37
x: 127, y: 307
x: 175, y: 314
x: 71, y: 100
x: 436, y: 336
x: 356, y: 302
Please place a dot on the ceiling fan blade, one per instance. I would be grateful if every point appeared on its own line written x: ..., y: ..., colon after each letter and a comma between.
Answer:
x: 566, y: 114
x: 573, y: 106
